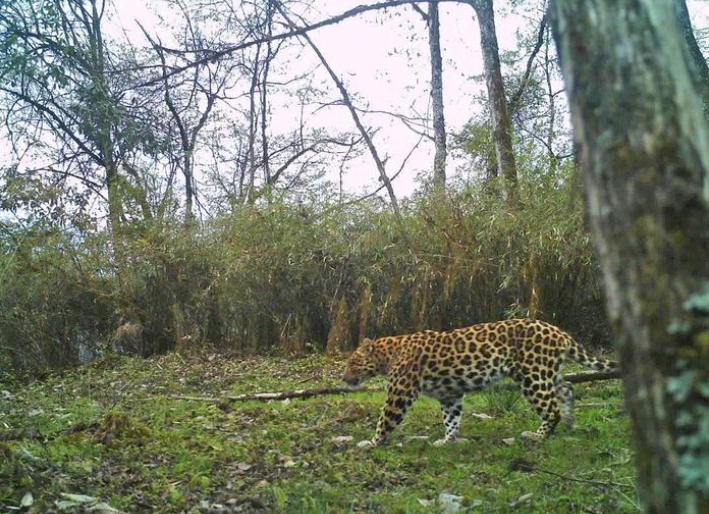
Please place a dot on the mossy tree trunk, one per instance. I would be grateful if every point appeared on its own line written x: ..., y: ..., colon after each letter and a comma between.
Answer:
x: 500, y: 118
x: 644, y: 145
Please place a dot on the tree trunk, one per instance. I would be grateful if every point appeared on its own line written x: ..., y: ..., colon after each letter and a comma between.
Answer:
x: 189, y: 183
x: 698, y: 60
x: 115, y: 204
x: 501, y: 124
x: 548, y: 70
x: 253, y: 127
x: 264, y: 95
x: 644, y: 147
x: 439, y: 124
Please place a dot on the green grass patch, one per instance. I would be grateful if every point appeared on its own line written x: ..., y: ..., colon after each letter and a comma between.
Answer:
x: 114, y: 431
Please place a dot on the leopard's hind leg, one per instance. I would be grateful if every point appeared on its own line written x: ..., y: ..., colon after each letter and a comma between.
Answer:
x: 565, y: 396
x: 452, y: 412
x: 542, y: 395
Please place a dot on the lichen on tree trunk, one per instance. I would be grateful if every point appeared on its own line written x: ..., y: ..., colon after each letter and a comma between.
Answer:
x: 644, y: 144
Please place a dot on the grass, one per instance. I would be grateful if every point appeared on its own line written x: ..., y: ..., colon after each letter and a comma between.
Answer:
x: 112, y: 432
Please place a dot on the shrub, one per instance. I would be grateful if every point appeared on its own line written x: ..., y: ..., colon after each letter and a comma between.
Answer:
x: 282, y: 277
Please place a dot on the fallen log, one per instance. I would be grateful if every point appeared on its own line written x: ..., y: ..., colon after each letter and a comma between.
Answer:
x: 591, y: 376
x: 574, y: 378
x: 279, y: 395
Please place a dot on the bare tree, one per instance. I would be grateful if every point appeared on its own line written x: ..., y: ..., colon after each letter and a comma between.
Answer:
x: 439, y: 124
x: 644, y: 144
x: 296, y: 159
x: 189, y: 102
x: 537, y: 107
x: 383, y: 177
x: 270, y: 55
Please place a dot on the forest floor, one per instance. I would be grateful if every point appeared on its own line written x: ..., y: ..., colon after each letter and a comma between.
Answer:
x: 111, y: 437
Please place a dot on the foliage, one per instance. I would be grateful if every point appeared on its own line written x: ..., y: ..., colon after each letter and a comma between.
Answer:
x: 276, y: 276
x: 689, y: 389
x: 54, y: 305
x: 113, y: 432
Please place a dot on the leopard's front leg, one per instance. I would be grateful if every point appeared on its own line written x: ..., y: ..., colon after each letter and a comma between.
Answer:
x: 401, y: 394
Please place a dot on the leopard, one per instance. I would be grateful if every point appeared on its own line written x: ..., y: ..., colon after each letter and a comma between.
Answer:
x: 446, y: 365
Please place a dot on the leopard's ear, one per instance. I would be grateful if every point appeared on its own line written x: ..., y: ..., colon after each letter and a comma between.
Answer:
x: 366, y: 345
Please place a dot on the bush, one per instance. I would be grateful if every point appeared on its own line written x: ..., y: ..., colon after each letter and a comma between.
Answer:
x: 293, y: 278
x: 55, y: 303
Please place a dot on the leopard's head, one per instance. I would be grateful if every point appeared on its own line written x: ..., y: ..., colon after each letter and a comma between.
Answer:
x: 364, y: 363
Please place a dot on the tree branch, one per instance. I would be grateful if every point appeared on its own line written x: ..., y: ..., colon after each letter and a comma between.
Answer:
x: 355, y: 117
x: 215, y: 55
x: 574, y: 378
x: 517, y: 96
x: 280, y: 395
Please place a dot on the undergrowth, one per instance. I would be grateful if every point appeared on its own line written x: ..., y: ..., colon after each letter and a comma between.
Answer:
x: 117, y: 432
x: 287, y: 278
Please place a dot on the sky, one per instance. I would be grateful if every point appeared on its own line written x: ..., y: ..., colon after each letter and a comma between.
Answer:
x: 383, y: 59
x: 382, y: 56
x: 372, y: 53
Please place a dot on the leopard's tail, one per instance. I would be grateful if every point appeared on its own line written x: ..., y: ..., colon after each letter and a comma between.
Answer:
x: 578, y: 353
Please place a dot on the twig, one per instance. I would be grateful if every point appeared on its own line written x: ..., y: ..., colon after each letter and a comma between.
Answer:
x: 593, y: 376
x: 582, y: 480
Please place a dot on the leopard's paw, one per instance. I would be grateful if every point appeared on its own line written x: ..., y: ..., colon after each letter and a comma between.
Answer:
x: 531, y: 436
x: 568, y: 422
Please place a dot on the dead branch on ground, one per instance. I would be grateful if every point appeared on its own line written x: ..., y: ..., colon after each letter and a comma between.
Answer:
x: 574, y: 378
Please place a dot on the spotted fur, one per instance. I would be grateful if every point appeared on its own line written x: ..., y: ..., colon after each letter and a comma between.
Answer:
x: 446, y: 365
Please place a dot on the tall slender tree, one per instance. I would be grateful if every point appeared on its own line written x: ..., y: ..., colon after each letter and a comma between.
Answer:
x: 501, y: 124
x: 439, y: 123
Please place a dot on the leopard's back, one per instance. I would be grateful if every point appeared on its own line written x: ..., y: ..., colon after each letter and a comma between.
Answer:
x: 504, y: 345
x: 471, y: 358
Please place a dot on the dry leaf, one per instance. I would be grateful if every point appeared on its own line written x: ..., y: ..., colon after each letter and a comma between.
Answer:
x: 450, y: 503
x: 521, y: 499
x: 27, y: 500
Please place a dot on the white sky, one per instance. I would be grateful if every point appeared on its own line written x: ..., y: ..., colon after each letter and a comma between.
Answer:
x: 383, y: 58
x: 370, y: 53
